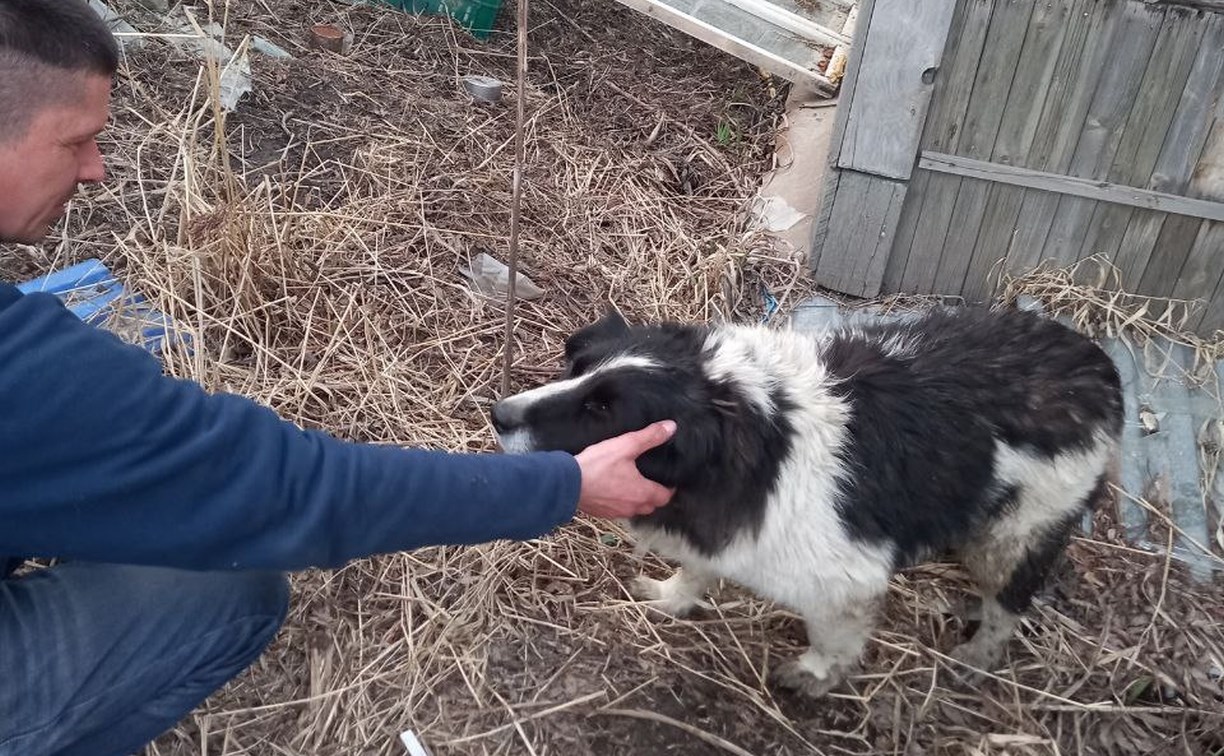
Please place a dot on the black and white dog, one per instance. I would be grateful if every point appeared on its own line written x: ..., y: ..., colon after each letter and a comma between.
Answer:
x: 809, y: 467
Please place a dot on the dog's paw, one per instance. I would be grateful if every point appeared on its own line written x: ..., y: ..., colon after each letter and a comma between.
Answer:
x: 981, y: 656
x: 659, y: 594
x: 794, y: 676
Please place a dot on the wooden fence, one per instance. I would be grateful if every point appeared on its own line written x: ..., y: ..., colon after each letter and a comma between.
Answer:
x: 975, y: 136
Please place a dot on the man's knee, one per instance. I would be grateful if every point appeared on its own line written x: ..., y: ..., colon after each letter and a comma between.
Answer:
x: 257, y: 604
x: 228, y: 617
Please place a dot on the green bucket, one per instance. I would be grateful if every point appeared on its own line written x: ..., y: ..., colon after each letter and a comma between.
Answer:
x: 477, y: 16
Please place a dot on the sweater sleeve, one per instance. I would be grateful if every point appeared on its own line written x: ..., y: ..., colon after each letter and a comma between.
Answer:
x: 105, y: 458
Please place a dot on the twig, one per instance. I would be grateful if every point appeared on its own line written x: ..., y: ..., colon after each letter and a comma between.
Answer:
x: 516, y: 194
x: 696, y: 732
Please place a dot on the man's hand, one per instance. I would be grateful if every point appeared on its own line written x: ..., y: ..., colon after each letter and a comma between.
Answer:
x: 612, y: 487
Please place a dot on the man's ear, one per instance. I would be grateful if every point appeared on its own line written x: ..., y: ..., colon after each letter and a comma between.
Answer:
x: 609, y: 326
x: 683, y: 459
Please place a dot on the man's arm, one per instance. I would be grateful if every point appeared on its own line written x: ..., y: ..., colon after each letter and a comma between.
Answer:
x: 104, y: 458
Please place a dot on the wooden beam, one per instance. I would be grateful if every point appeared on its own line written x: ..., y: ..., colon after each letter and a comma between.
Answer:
x: 716, y: 37
x: 1209, y: 5
x: 1101, y: 191
x: 792, y: 22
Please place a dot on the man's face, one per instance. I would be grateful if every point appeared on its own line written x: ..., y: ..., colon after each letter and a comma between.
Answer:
x: 40, y: 170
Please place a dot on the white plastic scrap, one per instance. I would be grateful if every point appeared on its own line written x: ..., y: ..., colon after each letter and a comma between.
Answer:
x: 490, y: 276
x: 409, y: 739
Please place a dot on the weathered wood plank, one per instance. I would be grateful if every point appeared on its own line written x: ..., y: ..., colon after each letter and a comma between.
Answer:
x: 1146, y: 240
x: 1208, y: 176
x: 995, y: 238
x: 992, y: 84
x: 1130, y: 46
x: 820, y: 224
x: 1077, y: 187
x: 1173, y: 244
x: 944, y: 133
x: 861, y: 227
x: 1080, y: 67
x: 930, y: 232
x: 849, y: 84
x: 1202, y: 277
x: 1047, y: 30
x: 1211, y: 5
x: 1192, y: 122
x: 1212, y: 322
x: 712, y: 35
x: 854, y: 62
x: 889, y: 107
x: 950, y: 98
x: 937, y: 112
x: 1173, y: 57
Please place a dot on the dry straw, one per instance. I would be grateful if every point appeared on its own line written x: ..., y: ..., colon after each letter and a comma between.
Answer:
x: 313, y: 242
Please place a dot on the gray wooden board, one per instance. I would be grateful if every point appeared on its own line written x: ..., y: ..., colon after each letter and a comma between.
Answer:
x: 990, y: 252
x: 1099, y: 191
x: 930, y: 234
x: 889, y: 106
x: 1079, y: 68
x: 943, y: 96
x: 820, y: 224
x: 861, y: 226
x: 1034, y: 74
x: 963, y: 228
x: 854, y: 60
x: 1131, y: 44
x: 1177, y: 236
x: 1208, y: 176
x: 1213, y: 315
x: 907, y: 225
x: 993, y: 81
x: 1201, y: 275
x: 849, y: 84
x: 1193, y: 119
x: 1143, y: 228
x: 943, y: 132
x: 1173, y: 56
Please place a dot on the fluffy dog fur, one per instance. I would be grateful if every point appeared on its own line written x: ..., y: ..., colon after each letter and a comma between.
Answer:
x: 809, y: 468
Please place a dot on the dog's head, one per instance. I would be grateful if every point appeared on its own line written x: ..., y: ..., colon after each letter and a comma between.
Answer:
x: 618, y: 379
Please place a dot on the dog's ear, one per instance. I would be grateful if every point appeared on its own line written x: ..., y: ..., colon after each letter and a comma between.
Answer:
x: 685, y: 458
x: 609, y: 326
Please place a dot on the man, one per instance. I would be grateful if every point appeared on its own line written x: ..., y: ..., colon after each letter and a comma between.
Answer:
x: 176, y: 511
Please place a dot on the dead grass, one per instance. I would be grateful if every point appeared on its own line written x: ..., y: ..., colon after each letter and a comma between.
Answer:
x: 313, y: 246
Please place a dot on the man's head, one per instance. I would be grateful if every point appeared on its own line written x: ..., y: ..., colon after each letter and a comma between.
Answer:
x: 57, y: 59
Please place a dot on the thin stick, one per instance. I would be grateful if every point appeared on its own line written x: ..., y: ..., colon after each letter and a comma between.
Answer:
x: 517, y: 193
x: 696, y: 732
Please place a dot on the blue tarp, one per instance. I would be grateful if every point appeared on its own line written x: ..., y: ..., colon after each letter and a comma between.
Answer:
x: 92, y: 293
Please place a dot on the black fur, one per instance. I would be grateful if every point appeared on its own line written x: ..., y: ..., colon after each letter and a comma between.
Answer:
x: 923, y: 422
x: 1043, y: 556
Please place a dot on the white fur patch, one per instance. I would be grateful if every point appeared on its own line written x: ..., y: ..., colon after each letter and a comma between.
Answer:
x: 520, y: 402
x: 516, y: 442
x: 803, y: 556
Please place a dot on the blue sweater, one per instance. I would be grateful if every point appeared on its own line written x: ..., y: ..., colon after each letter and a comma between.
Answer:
x: 104, y: 458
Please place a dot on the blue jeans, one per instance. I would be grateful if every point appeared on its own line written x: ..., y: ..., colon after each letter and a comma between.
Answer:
x: 101, y: 659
